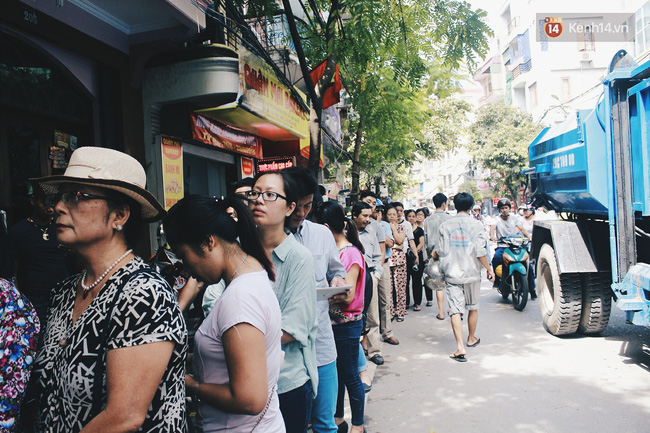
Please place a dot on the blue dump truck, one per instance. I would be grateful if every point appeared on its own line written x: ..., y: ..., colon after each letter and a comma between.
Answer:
x: 594, y: 170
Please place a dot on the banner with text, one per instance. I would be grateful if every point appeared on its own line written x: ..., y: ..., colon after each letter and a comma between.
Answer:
x: 265, y: 96
x: 220, y: 135
x: 172, y: 161
x: 274, y: 164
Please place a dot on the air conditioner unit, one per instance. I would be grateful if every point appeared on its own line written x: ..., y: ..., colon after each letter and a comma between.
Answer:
x: 587, y: 56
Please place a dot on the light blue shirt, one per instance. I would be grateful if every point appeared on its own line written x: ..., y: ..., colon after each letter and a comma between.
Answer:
x: 295, y: 288
x: 389, y: 234
x: 319, y: 240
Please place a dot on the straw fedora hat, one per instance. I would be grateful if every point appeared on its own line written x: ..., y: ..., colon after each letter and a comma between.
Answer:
x: 109, y: 169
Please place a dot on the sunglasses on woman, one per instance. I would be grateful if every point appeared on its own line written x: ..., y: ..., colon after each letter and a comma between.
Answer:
x: 72, y: 198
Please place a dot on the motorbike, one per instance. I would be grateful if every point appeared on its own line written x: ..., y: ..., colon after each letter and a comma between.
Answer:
x: 514, y: 271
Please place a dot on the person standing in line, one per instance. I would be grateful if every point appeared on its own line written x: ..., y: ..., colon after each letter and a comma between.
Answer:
x: 329, y: 271
x: 237, y: 351
x: 214, y: 291
x: 384, y: 287
x: 39, y: 261
x: 346, y: 314
x: 461, y: 249
x: 507, y: 224
x: 397, y: 264
x: 416, y: 218
x: 113, y: 354
x: 431, y: 225
x: 272, y: 200
x: 378, y: 324
x: 361, y: 212
x: 410, y: 240
x: 19, y: 329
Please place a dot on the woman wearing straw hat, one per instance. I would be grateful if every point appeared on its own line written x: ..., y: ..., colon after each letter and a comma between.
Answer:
x: 115, y: 345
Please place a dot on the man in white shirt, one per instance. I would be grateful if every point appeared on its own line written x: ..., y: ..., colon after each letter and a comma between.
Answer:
x: 431, y: 226
x: 462, y: 252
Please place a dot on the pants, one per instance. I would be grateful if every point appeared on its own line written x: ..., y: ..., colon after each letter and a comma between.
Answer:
x: 414, y: 283
x: 346, y: 337
x: 295, y: 406
x: 398, y: 279
x: 324, y: 405
x: 379, y: 325
x: 362, y: 363
x: 498, y: 260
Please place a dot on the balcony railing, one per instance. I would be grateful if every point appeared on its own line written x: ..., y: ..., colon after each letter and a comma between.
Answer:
x: 522, y: 68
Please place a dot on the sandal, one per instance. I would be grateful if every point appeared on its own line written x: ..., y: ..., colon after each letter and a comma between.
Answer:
x: 400, y: 319
x: 416, y: 308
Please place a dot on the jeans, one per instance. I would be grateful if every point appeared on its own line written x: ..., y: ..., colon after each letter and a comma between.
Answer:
x: 322, y: 410
x: 295, y: 406
x: 346, y: 337
x: 362, y: 363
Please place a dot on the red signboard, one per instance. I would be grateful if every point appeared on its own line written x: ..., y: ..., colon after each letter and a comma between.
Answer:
x: 223, y: 136
x: 274, y: 164
x: 246, y: 167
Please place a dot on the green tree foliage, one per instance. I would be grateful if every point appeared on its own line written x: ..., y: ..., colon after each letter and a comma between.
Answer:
x: 501, y: 135
x: 401, y: 58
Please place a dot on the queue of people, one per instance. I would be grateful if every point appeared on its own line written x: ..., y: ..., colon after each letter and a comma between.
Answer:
x: 107, y: 344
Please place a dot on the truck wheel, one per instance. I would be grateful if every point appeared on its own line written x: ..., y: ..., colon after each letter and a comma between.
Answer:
x: 519, y: 291
x: 560, y: 296
x: 596, y: 303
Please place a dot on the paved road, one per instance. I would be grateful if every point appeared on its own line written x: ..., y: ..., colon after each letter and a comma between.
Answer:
x: 518, y: 379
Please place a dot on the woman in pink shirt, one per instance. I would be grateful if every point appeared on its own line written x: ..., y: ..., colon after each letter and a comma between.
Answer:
x: 346, y: 311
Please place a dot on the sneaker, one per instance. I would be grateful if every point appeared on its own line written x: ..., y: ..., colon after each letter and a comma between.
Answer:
x: 377, y: 359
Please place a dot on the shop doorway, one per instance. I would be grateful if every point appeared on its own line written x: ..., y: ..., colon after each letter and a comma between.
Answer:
x: 207, y: 172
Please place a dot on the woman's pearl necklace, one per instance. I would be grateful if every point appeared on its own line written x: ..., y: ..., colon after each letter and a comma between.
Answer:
x: 87, y: 289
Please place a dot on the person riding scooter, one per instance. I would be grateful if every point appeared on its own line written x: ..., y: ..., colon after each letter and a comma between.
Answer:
x: 507, y: 224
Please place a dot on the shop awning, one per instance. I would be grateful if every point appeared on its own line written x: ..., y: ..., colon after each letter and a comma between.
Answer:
x: 262, y: 125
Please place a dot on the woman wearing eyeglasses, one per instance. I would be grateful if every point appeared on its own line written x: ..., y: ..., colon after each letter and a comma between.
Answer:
x: 272, y: 200
x: 115, y: 344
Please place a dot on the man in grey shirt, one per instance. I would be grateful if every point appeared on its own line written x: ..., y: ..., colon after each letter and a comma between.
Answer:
x: 374, y: 256
x: 431, y: 225
x: 379, y: 324
x: 328, y: 270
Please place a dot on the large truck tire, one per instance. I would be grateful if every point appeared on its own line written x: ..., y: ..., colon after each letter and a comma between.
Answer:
x: 596, y: 303
x: 560, y: 295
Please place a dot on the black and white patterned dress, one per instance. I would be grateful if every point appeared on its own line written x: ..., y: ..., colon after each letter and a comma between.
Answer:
x: 145, y: 312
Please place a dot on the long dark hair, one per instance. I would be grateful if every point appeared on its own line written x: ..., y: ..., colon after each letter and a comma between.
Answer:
x: 193, y: 219
x: 332, y: 214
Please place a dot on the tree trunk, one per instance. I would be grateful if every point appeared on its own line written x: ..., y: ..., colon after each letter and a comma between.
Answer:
x: 356, y: 166
x: 315, y: 136
x: 315, y: 90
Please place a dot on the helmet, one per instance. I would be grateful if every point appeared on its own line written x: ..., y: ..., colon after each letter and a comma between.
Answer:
x: 531, y: 208
x: 503, y: 203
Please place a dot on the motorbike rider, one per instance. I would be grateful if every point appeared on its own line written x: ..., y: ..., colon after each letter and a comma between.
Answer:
x: 508, y: 224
